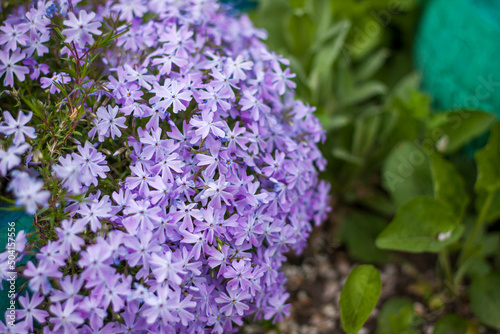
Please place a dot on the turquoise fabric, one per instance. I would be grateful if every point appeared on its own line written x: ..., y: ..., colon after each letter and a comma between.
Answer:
x: 23, y: 222
x: 457, y: 49
x: 242, y: 4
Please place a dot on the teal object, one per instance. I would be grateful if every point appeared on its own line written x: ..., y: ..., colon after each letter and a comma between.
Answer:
x: 457, y: 50
x: 23, y: 222
x: 241, y: 4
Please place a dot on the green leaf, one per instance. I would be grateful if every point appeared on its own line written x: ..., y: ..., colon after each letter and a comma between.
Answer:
x: 488, y: 160
x: 488, y: 176
x: 396, y: 317
x: 484, y: 294
x: 364, y: 92
x: 372, y: 64
x: 406, y: 173
x: 423, y: 224
x: 449, y: 185
x: 366, y: 129
x: 450, y: 324
x: 359, y: 232
x: 459, y: 127
x: 359, y: 297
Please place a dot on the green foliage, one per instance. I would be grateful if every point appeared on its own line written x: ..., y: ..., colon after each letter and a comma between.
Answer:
x: 423, y: 224
x: 451, y: 324
x: 396, y: 167
x: 359, y: 231
x: 397, y: 316
x: 485, y: 299
x: 359, y: 297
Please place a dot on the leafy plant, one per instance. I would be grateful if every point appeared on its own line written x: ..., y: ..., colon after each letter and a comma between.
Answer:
x: 400, y: 179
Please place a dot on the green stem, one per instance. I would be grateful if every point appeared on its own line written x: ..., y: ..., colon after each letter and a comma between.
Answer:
x: 444, y: 261
x: 478, y: 226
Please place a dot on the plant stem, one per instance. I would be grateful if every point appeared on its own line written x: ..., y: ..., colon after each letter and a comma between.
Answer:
x: 478, y: 226
x: 444, y: 261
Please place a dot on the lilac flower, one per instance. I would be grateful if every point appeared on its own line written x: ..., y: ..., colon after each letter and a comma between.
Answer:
x: 37, y: 23
x: 35, y: 43
x: 108, y: 124
x: 233, y: 300
x: 281, y: 79
x: 35, y: 68
x: 30, y: 310
x: 207, y: 125
x: 40, y: 276
x: 129, y: 9
x: 81, y: 29
x: 171, y: 94
x: 68, y: 235
x: 92, y: 163
x: 12, y: 36
x: 28, y: 192
x: 173, y: 228
x: 10, y: 158
x: 9, y: 67
x: 17, y: 127
x: 56, y: 79
x: 70, y: 171
x: 65, y: 317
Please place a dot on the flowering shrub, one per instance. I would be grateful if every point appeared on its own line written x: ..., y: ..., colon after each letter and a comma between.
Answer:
x: 167, y: 165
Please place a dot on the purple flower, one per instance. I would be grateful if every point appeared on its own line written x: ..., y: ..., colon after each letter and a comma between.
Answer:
x: 92, y: 163
x: 174, y: 229
x: 172, y: 93
x: 30, y: 310
x: 56, y: 79
x: 17, y: 127
x: 10, y: 158
x: 207, y: 125
x: 65, y: 317
x: 233, y: 300
x: 9, y: 67
x: 81, y: 29
x: 28, y: 192
x: 40, y: 275
x: 12, y: 36
x: 108, y: 124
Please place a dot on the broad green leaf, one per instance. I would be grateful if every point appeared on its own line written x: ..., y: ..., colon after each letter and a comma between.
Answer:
x: 406, y: 173
x: 448, y: 185
x: 451, y: 324
x: 396, y: 317
x: 459, y: 127
x: 423, y: 224
x: 359, y: 232
x: 359, y: 297
x: 484, y: 294
x: 488, y: 176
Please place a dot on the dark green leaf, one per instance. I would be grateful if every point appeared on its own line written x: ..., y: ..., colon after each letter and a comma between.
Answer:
x: 459, y: 127
x: 396, y: 317
x: 359, y: 232
x: 449, y: 185
x: 488, y: 176
x: 406, y: 173
x: 423, y: 224
x: 450, y: 324
x: 484, y: 295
